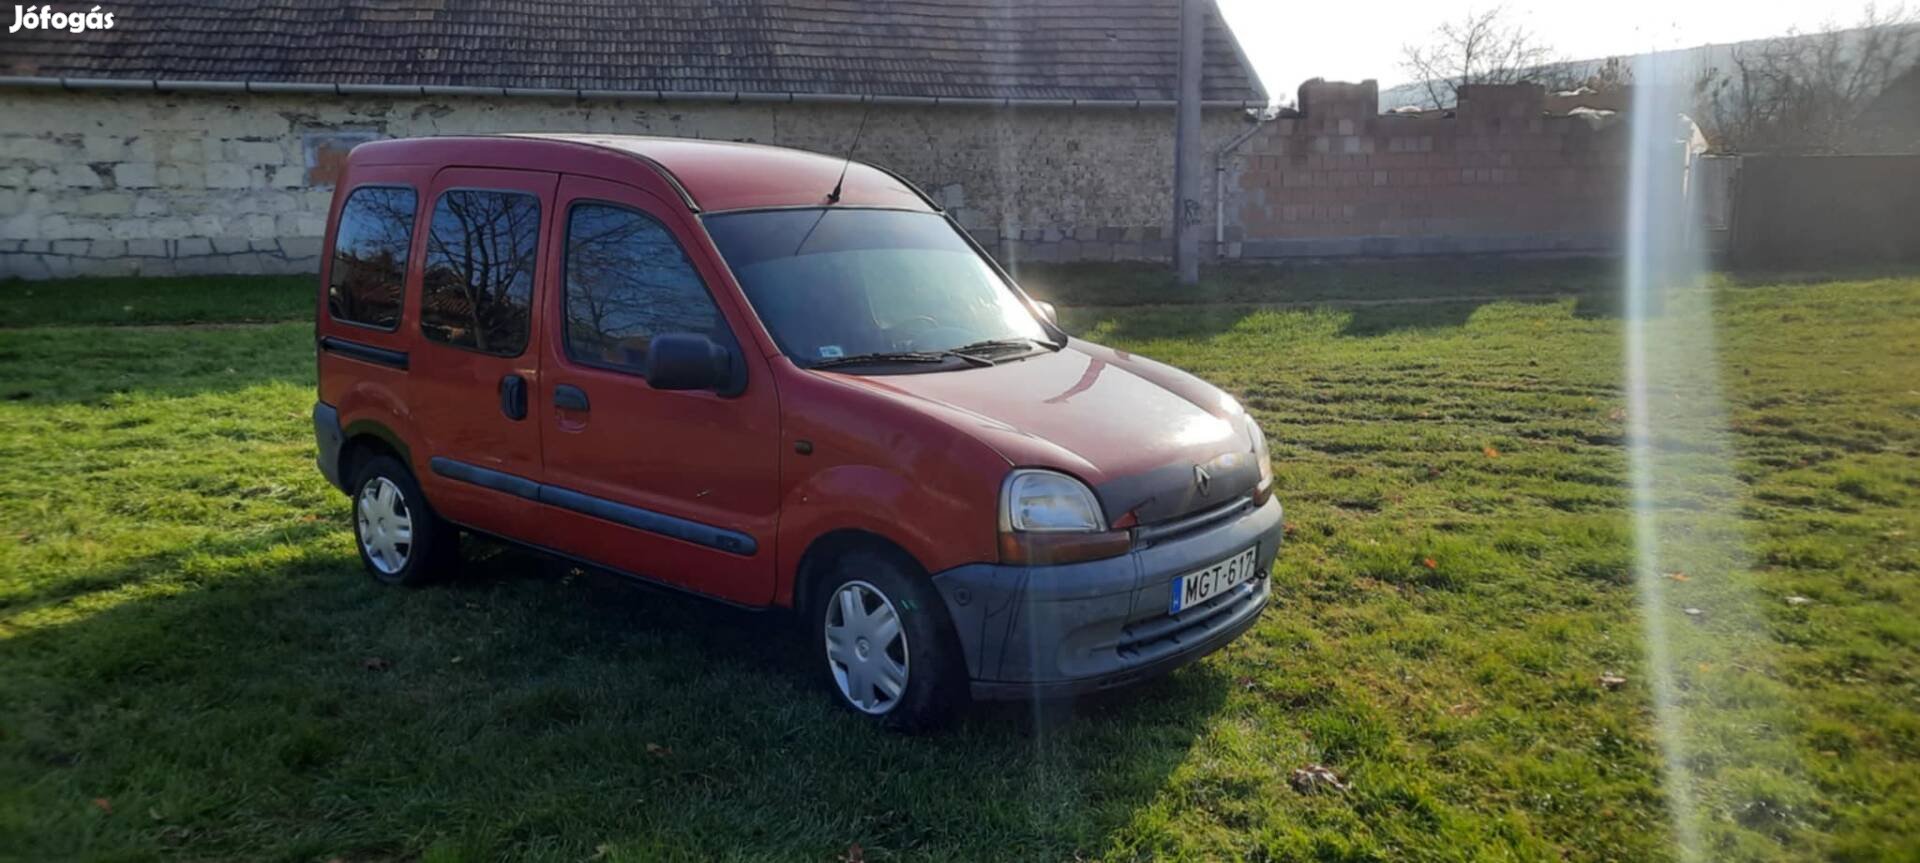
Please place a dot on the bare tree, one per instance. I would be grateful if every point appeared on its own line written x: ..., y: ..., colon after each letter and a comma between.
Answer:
x: 1480, y: 48
x: 479, y: 270
x: 1806, y: 93
x: 1606, y: 76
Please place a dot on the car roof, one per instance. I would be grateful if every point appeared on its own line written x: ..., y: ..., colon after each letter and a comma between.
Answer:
x: 712, y: 176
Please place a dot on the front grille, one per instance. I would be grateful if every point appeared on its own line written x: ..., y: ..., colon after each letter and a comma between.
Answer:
x: 1147, y: 536
x: 1169, y: 631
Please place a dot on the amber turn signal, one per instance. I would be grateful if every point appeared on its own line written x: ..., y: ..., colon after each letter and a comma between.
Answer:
x: 1040, y: 549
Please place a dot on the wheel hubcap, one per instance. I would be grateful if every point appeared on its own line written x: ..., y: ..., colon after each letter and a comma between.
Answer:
x: 386, y: 527
x: 866, y: 648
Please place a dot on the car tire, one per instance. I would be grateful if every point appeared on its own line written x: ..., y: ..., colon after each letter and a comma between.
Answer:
x: 400, y: 539
x: 858, y: 652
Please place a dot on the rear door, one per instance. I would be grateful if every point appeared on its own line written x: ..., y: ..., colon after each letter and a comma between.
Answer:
x: 478, y: 362
x: 679, y: 486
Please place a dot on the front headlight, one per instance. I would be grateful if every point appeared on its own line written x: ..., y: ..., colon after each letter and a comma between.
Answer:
x: 1051, y: 518
x: 1041, y: 501
x: 1261, y: 457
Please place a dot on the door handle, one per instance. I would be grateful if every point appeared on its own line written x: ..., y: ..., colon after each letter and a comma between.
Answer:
x: 570, y: 398
x: 513, y: 397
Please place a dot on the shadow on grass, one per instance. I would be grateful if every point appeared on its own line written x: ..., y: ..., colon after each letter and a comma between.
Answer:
x: 1376, y: 320
x: 295, y: 710
x: 90, y: 364
x: 1382, y: 318
x: 1125, y: 284
x: 147, y: 300
x: 35, y: 594
x: 1354, y: 319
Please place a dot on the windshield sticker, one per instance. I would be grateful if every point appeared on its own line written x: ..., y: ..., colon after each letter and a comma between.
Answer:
x: 831, y: 352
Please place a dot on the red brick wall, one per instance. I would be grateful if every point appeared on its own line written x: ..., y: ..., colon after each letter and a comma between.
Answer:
x: 1501, y: 176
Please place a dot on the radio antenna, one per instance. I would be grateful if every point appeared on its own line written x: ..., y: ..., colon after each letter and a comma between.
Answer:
x: 833, y: 197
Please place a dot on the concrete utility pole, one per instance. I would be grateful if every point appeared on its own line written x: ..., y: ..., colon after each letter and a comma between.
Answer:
x: 1186, y: 144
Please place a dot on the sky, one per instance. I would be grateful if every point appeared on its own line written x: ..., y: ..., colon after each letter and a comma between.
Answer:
x: 1290, y: 42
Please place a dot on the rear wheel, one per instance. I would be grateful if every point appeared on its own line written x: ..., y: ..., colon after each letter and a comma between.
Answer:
x: 885, y: 642
x: 400, y: 539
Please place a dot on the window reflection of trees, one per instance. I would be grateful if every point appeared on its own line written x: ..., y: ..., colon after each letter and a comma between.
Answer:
x: 370, y: 256
x: 478, y: 286
x: 628, y: 281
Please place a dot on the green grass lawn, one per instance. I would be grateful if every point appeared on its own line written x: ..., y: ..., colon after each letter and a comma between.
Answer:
x: 202, y: 299
x: 193, y: 666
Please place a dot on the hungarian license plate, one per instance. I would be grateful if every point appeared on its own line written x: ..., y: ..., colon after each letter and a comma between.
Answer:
x: 1203, y: 584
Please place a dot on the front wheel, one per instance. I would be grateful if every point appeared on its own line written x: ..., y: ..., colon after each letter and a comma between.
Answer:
x: 401, y: 541
x: 887, y: 647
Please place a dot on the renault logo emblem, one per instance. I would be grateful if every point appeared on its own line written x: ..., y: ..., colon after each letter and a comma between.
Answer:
x: 1202, y: 480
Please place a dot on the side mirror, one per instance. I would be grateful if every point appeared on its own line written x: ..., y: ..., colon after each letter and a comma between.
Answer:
x: 1048, y: 311
x: 687, y: 361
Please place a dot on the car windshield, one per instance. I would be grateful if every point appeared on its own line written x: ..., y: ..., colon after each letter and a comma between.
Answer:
x: 833, y: 285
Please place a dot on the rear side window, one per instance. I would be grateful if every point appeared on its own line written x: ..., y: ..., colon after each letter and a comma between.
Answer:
x: 370, y: 256
x: 477, y: 291
x: 627, y: 281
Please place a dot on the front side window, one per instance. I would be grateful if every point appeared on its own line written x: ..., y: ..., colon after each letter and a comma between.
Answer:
x: 477, y: 291
x: 835, y: 285
x: 628, y: 281
x: 370, y: 249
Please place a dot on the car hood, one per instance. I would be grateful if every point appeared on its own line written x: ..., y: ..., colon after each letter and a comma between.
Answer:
x: 1132, y: 428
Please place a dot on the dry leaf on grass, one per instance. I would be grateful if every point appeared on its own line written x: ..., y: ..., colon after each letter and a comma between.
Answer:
x: 1314, y: 778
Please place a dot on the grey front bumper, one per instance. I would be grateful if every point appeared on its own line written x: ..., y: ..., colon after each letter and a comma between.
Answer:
x: 328, y: 436
x: 1046, y: 631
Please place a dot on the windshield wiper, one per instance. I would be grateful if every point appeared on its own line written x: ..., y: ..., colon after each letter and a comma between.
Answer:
x: 900, y: 357
x: 991, y: 344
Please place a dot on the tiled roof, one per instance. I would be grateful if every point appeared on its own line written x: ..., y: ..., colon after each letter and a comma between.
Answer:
x: 1020, y: 49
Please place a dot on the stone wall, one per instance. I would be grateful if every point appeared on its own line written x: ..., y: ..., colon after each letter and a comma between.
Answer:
x: 94, y: 182
x: 1499, y: 176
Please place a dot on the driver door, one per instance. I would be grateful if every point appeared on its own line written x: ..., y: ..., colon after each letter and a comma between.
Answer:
x: 678, y: 486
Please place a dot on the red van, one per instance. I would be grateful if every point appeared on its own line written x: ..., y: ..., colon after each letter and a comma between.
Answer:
x: 777, y: 379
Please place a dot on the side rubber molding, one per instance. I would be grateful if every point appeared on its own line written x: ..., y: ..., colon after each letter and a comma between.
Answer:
x: 1045, y: 631
x: 719, y: 538
x: 327, y: 434
x: 365, y: 353
x: 500, y: 481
